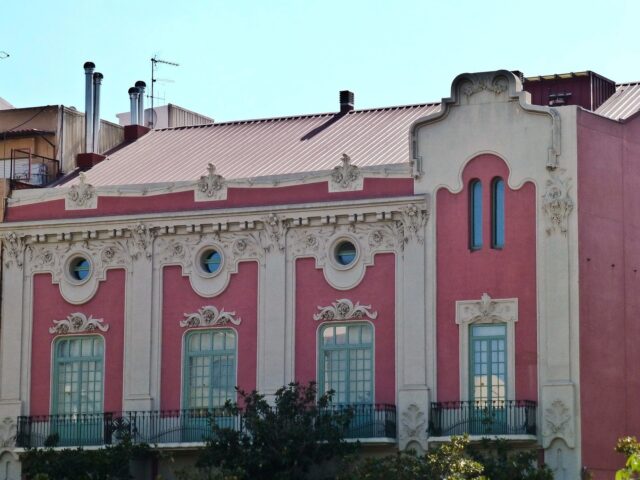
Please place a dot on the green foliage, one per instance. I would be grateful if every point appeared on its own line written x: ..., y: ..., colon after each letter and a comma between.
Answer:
x: 109, y: 463
x: 501, y: 463
x: 281, y: 442
x: 629, y: 446
x: 448, y: 461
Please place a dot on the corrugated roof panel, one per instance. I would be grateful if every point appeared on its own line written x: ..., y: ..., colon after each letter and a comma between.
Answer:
x: 622, y: 104
x: 264, y: 147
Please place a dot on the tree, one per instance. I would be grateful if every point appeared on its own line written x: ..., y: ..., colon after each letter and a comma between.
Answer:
x: 502, y: 463
x: 284, y: 441
x: 629, y: 446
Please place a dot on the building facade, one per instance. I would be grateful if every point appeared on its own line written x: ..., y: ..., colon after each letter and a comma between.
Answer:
x: 445, y: 268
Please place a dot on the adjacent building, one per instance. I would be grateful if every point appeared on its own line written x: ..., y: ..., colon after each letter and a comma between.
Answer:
x: 468, y: 266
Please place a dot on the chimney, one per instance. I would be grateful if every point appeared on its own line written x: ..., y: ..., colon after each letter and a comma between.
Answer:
x: 97, y: 81
x: 88, y: 110
x: 346, y: 101
x: 141, y: 86
x: 134, y: 93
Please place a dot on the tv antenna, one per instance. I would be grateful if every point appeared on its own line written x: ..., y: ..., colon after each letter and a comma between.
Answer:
x: 154, y: 66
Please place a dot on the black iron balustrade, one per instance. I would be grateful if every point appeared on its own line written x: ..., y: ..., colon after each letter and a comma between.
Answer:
x: 501, y: 417
x: 174, y: 427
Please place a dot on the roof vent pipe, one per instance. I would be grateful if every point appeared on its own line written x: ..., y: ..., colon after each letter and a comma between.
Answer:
x: 134, y: 92
x: 141, y: 86
x: 347, y: 100
x: 88, y: 110
x: 97, y: 81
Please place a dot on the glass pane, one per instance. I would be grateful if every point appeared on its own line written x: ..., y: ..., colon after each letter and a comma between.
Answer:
x: 327, y: 336
x: 476, y: 214
x: 488, y: 330
x: 341, y: 333
x: 498, y: 213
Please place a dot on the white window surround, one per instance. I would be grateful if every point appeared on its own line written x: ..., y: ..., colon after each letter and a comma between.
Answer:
x: 486, y: 311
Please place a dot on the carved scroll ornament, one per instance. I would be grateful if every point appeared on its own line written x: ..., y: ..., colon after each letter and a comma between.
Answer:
x: 209, y: 316
x: 344, y: 309
x: 78, y: 323
x: 346, y: 176
x: 557, y: 204
x: 211, y: 184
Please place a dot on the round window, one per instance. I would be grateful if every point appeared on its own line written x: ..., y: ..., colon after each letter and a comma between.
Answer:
x: 211, y: 261
x: 80, y: 268
x: 345, y: 252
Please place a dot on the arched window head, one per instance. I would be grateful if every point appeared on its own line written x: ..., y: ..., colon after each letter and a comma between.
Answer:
x: 497, y: 213
x: 475, y: 215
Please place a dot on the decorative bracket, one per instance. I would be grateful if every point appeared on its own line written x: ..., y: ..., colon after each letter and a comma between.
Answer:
x: 211, y: 186
x: 344, y: 309
x: 209, y: 316
x: 346, y: 177
x: 81, y: 196
x: 14, y: 245
x: 557, y: 204
x: 78, y: 323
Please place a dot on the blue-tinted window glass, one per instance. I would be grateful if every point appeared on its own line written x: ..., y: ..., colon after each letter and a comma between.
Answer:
x: 346, y: 253
x: 80, y: 269
x: 212, y: 261
x: 498, y: 213
x: 476, y: 214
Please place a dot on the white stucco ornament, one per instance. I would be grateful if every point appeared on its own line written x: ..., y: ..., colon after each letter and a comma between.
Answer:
x: 14, y: 246
x: 211, y: 186
x: 275, y: 229
x: 414, y: 219
x: 78, y: 323
x: 558, y: 423
x: 81, y: 196
x: 414, y: 424
x: 478, y: 83
x: 556, y: 203
x: 346, y: 177
x: 141, y: 241
x: 344, y: 309
x: 487, y: 310
x: 209, y: 316
x: 8, y: 430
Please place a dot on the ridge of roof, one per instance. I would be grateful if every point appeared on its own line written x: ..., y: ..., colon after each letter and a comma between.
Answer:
x: 299, y: 117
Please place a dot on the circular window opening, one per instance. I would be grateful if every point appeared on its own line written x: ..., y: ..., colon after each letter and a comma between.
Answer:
x: 80, y: 268
x: 211, y: 261
x: 345, y: 253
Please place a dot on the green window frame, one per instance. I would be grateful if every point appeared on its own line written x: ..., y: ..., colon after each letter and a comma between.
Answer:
x: 209, y: 368
x: 488, y: 363
x: 78, y: 377
x: 346, y: 362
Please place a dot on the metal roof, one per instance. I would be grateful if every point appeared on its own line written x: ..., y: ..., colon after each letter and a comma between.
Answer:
x: 622, y: 104
x: 254, y: 148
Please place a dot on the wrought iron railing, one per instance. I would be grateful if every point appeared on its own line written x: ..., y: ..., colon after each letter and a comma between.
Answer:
x: 173, y: 427
x: 28, y: 168
x: 505, y: 417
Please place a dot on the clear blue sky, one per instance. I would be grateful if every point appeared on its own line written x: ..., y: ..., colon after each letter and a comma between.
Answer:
x: 259, y: 58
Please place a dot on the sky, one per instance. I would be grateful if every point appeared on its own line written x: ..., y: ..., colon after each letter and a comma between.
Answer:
x: 244, y: 59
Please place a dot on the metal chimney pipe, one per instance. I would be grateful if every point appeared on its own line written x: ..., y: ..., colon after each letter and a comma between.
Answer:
x: 97, y: 81
x: 141, y: 86
x: 134, y: 93
x: 88, y: 109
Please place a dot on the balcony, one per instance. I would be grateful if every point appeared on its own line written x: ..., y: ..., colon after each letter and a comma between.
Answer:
x: 497, y: 418
x: 174, y: 428
x: 28, y: 170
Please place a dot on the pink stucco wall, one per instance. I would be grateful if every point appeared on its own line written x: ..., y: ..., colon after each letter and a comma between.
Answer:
x: 237, y: 197
x: 240, y: 296
x: 609, y: 261
x: 376, y: 289
x: 463, y: 274
x: 108, y: 304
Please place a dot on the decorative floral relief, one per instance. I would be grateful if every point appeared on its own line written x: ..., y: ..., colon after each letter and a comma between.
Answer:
x: 209, y: 316
x: 81, y: 195
x: 557, y: 418
x: 557, y: 204
x: 14, y: 246
x: 275, y: 229
x: 414, y: 423
x: 487, y: 310
x: 211, y: 185
x: 345, y: 176
x: 141, y: 241
x: 344, y: 309
x: 78, y: 323
x: 8, y: 431
x: 413, y: 221
x: 479, y: 83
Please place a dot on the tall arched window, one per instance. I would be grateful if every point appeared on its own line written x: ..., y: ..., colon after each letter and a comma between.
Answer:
x: 475, y: 215
x: 497, y: 213
x: 346, y: 362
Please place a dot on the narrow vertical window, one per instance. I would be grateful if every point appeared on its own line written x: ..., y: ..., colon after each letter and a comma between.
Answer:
x: 497, y: 213
x: 475, y: 214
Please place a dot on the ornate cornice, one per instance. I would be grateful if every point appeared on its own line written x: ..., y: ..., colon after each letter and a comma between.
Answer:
x: 344, y: 309
x: 487, y: 310
x: 557, y: 205
x: 209, y: 316
x: 14, y: 246
x: 346, y: 177
x: 81, y: 196
x: 479, y: 82
x: 211, y: 186
x: 78, y: 323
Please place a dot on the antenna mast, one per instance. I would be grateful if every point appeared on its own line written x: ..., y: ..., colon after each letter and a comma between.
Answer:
x: 154, y: 65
